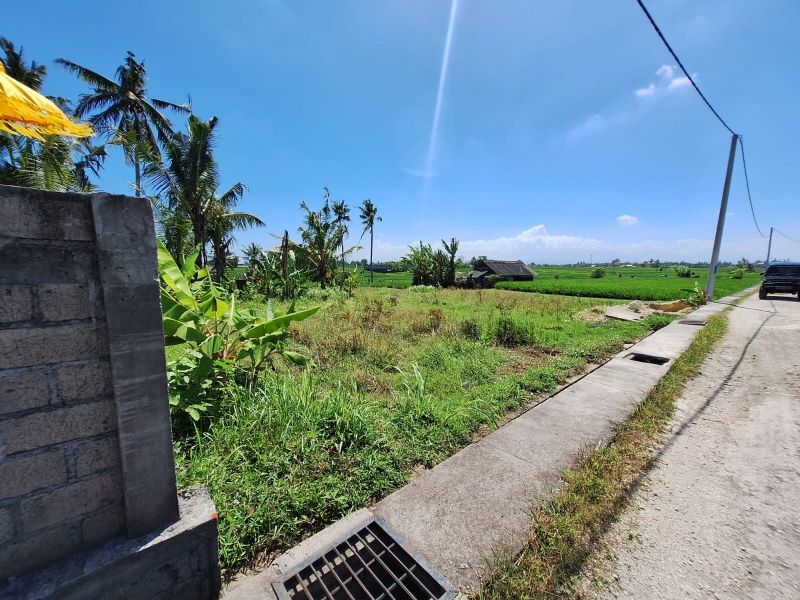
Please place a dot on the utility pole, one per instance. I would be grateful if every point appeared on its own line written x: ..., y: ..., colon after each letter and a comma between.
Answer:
x: 723, y: 208
x: 769, y: 248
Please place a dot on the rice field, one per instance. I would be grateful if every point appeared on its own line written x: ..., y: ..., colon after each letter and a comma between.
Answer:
x: 629, y: 283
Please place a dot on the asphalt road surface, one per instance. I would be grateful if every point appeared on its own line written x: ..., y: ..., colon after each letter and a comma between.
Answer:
x: 719, y: 514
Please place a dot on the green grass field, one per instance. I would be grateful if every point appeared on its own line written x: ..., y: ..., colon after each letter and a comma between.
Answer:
x: 625, y: 283
x: 402, y: 380
x: 631, y: 283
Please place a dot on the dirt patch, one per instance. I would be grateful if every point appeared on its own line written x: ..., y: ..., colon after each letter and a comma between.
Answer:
x: 522, y: 358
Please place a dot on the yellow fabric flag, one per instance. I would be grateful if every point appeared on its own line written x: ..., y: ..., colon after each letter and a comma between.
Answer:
x: 24, y: 111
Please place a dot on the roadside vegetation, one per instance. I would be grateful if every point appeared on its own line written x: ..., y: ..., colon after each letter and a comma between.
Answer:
x: 401, y: 380
x: 564, y: 531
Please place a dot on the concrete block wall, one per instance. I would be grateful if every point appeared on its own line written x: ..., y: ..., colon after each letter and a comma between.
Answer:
x: 85, y: 443
x: 60, y: 473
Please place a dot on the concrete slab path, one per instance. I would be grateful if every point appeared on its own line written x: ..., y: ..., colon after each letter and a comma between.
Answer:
x: 719, y: 515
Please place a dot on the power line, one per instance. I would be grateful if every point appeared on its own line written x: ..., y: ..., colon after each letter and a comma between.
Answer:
x: 747, y: 183
x: 786, y: 236
x: 680, y: 64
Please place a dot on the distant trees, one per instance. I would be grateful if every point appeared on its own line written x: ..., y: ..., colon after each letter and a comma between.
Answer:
x: 322, y: 234
x: 341, y: 216
x: 252, y: 252
x: 433, y: 267
x: 368, y: 213
x: 452, y: 250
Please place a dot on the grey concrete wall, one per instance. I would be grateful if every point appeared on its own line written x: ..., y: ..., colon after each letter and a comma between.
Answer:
x: 85, y: 446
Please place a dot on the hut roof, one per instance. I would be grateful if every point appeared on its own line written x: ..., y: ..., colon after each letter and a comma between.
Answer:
x: 505, y: 268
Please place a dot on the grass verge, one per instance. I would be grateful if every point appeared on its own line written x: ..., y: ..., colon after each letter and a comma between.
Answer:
x: 564, y: 530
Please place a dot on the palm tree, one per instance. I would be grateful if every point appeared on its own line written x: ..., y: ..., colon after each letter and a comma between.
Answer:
x: 369, y: 215
x: 452, y: 250
x: 223, y: 220
x: 321, y: 240
x: 341, y: 216
x: 252, y: 252
x: 31, y: 75
x: 188, y: 176
x: 123, y: 109
x: 53, y: 163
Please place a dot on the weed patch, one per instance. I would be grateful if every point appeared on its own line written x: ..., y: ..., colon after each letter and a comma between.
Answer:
x: 301, y: 450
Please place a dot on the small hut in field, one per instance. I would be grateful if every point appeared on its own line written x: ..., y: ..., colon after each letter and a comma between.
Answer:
x: 508, y: 270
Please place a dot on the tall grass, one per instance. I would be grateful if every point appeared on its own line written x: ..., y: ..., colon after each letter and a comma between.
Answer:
x: 402, y: 380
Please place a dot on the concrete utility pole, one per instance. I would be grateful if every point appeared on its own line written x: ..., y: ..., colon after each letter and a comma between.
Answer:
x: 723, y: 208
x: 769, y: 248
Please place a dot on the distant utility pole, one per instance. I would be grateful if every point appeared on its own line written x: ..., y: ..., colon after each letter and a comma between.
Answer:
x: 769, y: 246
x: 723, y: 208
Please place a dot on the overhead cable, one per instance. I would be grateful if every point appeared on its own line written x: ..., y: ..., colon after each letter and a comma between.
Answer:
x: 680, y: 64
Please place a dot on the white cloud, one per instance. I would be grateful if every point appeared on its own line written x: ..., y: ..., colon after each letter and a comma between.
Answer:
x: 627, y: 220
x: 666, y: 71
x: 667, y: 82
x: 678, y: 82
x: 537, y: 244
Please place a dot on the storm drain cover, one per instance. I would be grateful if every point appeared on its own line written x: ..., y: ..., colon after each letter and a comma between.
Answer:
x: 698, y: 322
x: 369, y: 564
x: 648, y: 358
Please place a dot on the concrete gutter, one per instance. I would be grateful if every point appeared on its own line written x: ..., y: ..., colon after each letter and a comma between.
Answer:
x: 476, y: 504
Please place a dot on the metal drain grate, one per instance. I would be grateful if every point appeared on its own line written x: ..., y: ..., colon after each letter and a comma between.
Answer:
x: 369, y: 564
x: 698, y: 322
x: 648, y: 358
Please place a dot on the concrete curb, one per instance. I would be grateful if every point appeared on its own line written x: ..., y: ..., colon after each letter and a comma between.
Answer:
x: 475, y: 504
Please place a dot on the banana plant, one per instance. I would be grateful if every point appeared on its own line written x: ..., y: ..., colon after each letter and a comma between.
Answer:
x: 220, y: 339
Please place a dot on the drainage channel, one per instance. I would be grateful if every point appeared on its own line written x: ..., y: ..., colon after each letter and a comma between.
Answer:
x: 647, y: 358
x: 368, y: 564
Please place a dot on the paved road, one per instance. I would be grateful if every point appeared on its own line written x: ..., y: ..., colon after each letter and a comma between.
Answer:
x: 719, y: 515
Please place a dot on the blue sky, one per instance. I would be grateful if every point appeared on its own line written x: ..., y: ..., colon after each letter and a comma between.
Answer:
x: 565, y: 131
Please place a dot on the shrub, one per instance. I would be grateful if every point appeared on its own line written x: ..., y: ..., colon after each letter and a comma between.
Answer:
x: 470, y: 329
x: 736, y: 273
x: 511, y: 332
x: 220, y: 342
x: 683, y: 271
x: 598, y: 273
x: 491, y: 280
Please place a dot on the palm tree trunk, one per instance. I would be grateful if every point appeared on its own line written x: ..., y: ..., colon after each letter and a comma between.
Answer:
x: 137, y: 173
x: 371, y: 272
x: 343, y: 263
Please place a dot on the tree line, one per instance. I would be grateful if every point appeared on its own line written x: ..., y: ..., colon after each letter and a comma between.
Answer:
x: 176, y: 170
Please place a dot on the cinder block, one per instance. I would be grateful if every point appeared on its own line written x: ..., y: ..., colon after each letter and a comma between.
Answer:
x: 54, y: 426
x: 29, y: 263
x: 15, y: 303
x: 6, y: 526
x: 24, y: 474
x: 62, y: 302
x: 23, y: 392
x: 103, y: 525
x: 46, y: 345
x: 40, y: 215
x: 68, y: 503
x: 31, y: 552
x: 94, y: 456
x: 79, y: 382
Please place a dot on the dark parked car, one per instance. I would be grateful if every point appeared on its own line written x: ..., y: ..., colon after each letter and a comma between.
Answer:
x: 781, y: 277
